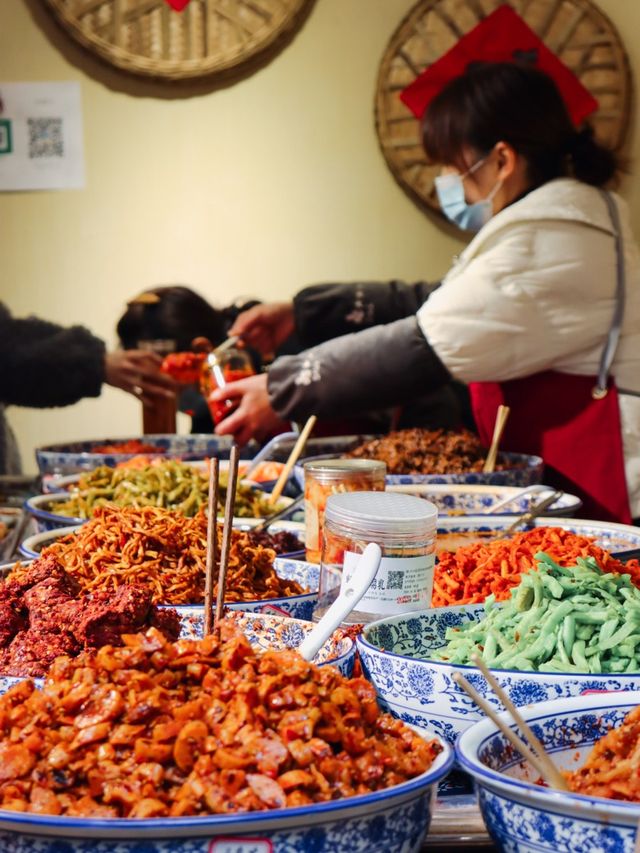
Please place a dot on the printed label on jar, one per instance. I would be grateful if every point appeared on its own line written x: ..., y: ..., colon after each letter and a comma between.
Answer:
x: 401, y: 584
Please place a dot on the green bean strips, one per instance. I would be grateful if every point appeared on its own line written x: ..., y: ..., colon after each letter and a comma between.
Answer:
x: 169, y: 484
x: 559, y: 619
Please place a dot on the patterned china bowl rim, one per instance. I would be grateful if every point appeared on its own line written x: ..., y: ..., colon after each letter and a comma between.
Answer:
x: 472, y: 522
x: 362, y: 639
x: 152, y: 438
x: 566, y: 501
x: 32, y: 505
x: 348, y: 641
x: 440, y: 767
x: 470, y: 742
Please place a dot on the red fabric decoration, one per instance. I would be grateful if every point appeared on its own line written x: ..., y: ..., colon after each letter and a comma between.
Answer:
x: 500, y: 37
x: 177, y: 5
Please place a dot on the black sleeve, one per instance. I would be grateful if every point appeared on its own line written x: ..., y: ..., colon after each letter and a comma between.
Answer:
x: 42, y: 364
x: 372, y: 369
x: 325, y: 311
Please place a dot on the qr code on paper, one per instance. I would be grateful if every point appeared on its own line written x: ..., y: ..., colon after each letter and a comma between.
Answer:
x: 45, y: 137
x: 395, y: 580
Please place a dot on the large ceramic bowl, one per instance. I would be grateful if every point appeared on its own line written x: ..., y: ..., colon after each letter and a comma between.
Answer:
x: 522, y: 471
x: 276, y: 632
x: 31, y: 547
x: 523, y: 816
x: 42, y: 509
x: 608, y: 535
x: 396, y: 656
x: 76, y: 456
x: 459, y: 500
x: 395, y: 819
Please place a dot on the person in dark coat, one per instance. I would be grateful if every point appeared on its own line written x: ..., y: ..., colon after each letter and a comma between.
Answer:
x: 46, y: 365
x: 333, y: 312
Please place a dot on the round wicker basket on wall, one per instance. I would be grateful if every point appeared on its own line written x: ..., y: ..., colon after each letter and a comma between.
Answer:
x: 208, y: 37
x: 575, y: 30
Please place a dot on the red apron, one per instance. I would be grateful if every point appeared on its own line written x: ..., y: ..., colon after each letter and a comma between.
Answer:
x: 554, y: 415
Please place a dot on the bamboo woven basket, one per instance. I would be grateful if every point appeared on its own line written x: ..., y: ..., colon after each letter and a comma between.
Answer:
x: 575, y: 30
x: 209, y: 37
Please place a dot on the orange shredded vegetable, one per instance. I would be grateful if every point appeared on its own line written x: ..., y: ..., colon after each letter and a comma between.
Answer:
x: 470, y: 574
x: 611, y: 768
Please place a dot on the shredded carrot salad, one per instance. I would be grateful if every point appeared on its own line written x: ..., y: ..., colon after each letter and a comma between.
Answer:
x: 611, y: 769
x: 470, y: 574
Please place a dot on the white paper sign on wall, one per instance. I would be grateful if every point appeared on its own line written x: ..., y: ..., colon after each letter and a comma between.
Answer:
x: 41, y: 145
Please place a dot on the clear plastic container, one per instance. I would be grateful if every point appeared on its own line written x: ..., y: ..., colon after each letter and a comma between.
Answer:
x: 325, y: 477
x: 405, y: 529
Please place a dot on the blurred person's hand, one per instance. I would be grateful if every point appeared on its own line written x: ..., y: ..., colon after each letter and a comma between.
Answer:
x: 265, y: 327
x: 254, y: 417
x: 138, y: 373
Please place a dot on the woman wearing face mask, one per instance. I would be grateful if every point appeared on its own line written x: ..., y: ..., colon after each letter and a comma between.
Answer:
x: 541, y: 310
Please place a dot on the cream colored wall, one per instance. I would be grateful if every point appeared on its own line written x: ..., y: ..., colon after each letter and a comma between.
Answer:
x: 257, y: 189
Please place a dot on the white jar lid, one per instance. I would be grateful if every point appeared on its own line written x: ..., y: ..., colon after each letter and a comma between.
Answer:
x: 365, y: 514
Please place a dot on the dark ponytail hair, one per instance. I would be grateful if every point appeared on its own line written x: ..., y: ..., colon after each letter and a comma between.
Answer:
x: 517, y: 104
x: 173, y: 312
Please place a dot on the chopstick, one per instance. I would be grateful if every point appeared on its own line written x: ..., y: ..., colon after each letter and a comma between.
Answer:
x: 293, y: 458
x: 498, y: 429
x: 212, y: 544
x: 546, y: 769
x: 515, y: 741
x: 523, y: 725
x: 227, y: 531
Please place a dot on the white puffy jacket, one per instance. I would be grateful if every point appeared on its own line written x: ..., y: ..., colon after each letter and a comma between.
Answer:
x: 534, y: 291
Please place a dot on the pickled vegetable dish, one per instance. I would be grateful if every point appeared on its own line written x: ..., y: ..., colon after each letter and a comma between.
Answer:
x: 158, y: 729
x: 165, y: 553
x: 564, y: 619
x: 169, y: 483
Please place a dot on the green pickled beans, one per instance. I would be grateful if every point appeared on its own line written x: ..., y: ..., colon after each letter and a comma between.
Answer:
x: 574, y: 619
x: 170, y: 484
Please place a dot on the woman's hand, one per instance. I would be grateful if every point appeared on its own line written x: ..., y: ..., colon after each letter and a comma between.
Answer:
x: 254, y: 417
x: 138, y: 373
x: 265, y: 327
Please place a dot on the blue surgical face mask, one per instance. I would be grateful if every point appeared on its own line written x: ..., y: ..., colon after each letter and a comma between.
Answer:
x: 450, y: 191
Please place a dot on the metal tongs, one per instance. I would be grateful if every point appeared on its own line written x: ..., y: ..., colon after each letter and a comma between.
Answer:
x: 276, y: 516
x: 532, y: 512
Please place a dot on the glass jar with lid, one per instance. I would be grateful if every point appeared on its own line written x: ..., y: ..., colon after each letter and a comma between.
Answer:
x: 220, y: 369
x: 404, y: 527
x: 325, y: 477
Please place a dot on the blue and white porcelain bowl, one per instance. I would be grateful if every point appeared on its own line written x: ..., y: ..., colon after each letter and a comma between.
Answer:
x: 395, y: 819
x: 71, y: 457
x: 475, y: 500
x: 31, y: 547
x: 396, y: 657
x: 522, y: 471
x: 42, y: 509
x: 522, y: 816
x: 607, y: 534
x: 276, y: 632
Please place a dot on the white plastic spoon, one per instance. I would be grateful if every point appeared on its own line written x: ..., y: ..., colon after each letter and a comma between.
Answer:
x: 350, y: 595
